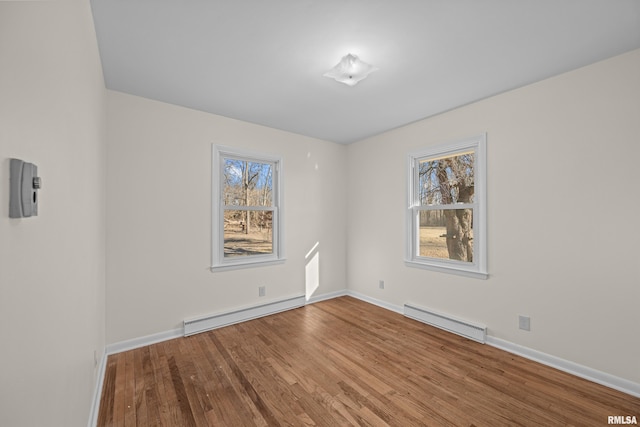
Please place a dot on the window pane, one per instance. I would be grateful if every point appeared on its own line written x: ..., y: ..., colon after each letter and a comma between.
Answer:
x: 248, y: 233
x: 446, y: 180
x: 247, y: 183
x: 446, y: 234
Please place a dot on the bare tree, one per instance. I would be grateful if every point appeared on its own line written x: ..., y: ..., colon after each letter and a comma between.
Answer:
x: 448, y: 181
x: 247, y: 184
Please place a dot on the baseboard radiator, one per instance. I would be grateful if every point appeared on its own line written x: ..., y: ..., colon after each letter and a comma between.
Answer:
x: 214, y: 321
x: 471, y: 330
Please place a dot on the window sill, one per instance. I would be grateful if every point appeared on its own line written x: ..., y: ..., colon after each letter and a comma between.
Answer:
x: 246, y: 264
x: 447, y: 269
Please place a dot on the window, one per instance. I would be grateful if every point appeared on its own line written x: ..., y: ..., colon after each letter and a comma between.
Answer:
x: 446, y: 215
x: 247, y: 213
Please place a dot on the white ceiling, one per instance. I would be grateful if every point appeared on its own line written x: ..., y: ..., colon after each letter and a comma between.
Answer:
x: 262, y: 61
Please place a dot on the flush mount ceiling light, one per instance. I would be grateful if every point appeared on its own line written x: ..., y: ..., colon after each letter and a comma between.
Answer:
x: 350, y: 70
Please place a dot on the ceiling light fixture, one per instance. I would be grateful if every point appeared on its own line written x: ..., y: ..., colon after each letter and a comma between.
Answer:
x: 350, y: 70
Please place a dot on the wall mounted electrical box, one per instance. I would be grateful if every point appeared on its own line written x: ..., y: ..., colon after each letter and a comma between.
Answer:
x: 24, y: 183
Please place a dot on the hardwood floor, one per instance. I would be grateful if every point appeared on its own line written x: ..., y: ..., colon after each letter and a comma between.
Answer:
x: 344, y: 362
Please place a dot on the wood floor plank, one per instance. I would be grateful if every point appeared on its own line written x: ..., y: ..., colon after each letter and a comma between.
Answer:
x: 129, y: 390
x: 109, y: 396
x: 140, y: 388
x: 169, y: 414
x: 230, y: 404
x: 344, y: 362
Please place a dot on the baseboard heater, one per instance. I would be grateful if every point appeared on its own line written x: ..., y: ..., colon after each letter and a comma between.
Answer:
x: 206, y: 323
x: 474, y: 331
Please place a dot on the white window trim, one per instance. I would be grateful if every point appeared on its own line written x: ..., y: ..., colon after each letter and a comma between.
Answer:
x: 218, y: 261
x: 477, y: 268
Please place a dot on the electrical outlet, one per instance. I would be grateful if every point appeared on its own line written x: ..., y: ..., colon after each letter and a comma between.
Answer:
x: 524, y: 323
x: 381, y: 284
x: 262, y: 291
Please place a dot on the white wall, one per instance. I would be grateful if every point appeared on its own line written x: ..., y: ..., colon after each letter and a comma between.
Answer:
x: 159, y: 216
x: 52, y: 267
x: 563, y: 202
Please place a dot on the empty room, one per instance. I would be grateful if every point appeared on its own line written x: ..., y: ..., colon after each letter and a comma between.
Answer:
x: 300, y: 212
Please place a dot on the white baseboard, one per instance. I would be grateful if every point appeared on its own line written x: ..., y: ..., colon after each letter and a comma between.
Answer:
x: 207, y: 323
x: 133, y: 343
x: 572, y: 368
x: 97, y: 392
x: 468, y: 329
x: 397, y: 308
x: 327, y: 296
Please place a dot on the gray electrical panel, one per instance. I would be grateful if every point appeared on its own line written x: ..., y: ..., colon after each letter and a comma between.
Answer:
x: 24, y: 184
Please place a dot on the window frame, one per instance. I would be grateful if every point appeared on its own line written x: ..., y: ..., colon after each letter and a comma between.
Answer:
x: 477, y: 268
x: 218, y: 260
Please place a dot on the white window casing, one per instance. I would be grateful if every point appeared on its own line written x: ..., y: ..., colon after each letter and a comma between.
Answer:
x: 220, y: 262
x: 476, y: 268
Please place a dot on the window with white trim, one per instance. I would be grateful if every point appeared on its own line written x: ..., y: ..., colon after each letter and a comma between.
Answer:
x: 446, y: 213
x: 247, y: 212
